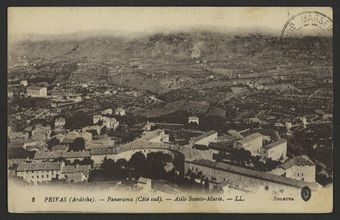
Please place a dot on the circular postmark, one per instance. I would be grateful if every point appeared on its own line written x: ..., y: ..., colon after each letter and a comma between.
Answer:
x: 311, y: 23
x: 306, y: 193
x: 309, y: 31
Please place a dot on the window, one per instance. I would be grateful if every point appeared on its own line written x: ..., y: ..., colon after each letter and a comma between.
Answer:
x: 37, y: 176
x: 47, y: 175
x: 298, y: 174
x: 42, y: 176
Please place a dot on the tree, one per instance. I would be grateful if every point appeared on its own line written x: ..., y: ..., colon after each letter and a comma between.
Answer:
x: 77, y: 145
x: 53, y: 142
x: 86, y: 161
x: 137, y: 164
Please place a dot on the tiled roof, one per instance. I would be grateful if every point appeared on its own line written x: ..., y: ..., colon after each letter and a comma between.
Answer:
x: 39, y: 166
x: 220, y: 146
x: 57, y: 154
x: 60, y: 147
x: 249, y: 138
x: 48, y: 155
x: 272, y: 145
x: 76, y: 169
x: 76, y: 154
x: 207, y: 134
x: 253, y: 173
x: 301, y: 160
x: 36, y: 87
x: 152, y: 134
x: 103, y: 151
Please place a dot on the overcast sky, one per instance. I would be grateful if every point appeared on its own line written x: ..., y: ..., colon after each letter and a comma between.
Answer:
x: 122, y: 20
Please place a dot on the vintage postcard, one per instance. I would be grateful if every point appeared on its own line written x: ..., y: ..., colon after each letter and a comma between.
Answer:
x: 170, y: 109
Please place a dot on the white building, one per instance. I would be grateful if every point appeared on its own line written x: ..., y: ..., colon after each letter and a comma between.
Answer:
x: 299, y: 168
x: 24, y: 82
x: 251, y: 143
x: 193, y: 119
x: 60, y: 122
x: 110, y: 122
x: 108, y: 111
x: 36, y: 91
x: 39, y: 172
x: 275, y: 151
x: 156, y: 136
x: 96, y: 119
x: 75, y: 174
x: 120, y: 111
x: 144, y: 184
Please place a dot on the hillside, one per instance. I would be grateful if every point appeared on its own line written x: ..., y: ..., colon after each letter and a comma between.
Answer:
x: 163, y: 62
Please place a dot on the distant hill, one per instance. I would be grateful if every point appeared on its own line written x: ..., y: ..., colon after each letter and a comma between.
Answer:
x: 113, y: 59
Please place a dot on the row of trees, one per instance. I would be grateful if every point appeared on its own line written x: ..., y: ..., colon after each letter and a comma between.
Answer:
x: 243, y: 158
x: 156, y: 165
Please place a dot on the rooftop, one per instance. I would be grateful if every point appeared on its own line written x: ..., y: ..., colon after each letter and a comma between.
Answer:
x: 57, y: 154
x: 301, y: 160
x: 149, y: 135
x: 76, y: 154
x: 274, y: 144
x: 48, y: 155
x: 35, y: 87
x: 205, y: 135
x: 39, y: 166
x: 250, y: 138
x: 76, y: 169
x: 103, y: 151
x: 253, y: 173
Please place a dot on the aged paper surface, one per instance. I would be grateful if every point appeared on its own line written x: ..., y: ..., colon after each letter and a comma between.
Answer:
x: 170, y: 110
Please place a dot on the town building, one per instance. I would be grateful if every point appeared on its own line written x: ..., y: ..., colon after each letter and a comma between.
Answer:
x: 275, y: 151
x: 75, y: 174
x: 243, y: 179
x: 39, y: 172
x: 100, y: 141
x: 204, y: 139
x: 144, y: 184
x: 298, y: 168
x: 120, y: 111
x: 110, y: 122
x: 87, y: 136
x: 96, y: 119
x: 18, y: 136
x: 156, y: 136
x: 60, y: 122
x: 60, y: 147
x: 41, y: 132
x: 24, y: 82
x: 148, y: 126
x: 36, y: 91
x: 251, y: 143
x: 108, y: 111
x: 194, y: 119
x: 96, y: 128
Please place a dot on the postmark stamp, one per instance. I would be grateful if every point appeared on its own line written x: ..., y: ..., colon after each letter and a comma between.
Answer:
x: 312, y: 23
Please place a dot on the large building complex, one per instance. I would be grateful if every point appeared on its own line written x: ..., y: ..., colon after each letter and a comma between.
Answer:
x: 299, y: 168
x: 275, y: 151
x: 251, y: 143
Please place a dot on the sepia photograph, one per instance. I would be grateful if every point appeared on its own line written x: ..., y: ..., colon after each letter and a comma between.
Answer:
x: 170, y: 109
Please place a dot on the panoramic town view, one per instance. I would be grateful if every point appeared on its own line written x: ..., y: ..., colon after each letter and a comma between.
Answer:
x: 171, y: 111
